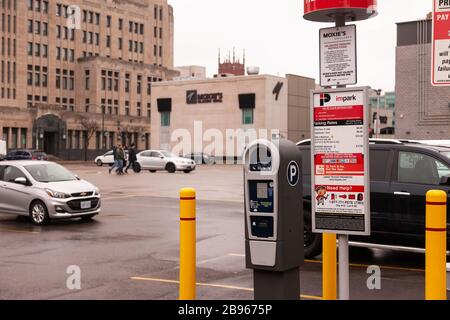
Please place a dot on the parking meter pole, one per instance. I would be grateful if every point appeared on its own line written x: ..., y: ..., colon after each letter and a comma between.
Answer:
x: 187, y: 244
x: 329, y: 267
x: 436, y: 246
x: 344, y: 268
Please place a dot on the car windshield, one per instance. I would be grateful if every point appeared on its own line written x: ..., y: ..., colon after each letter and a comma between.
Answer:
x: 447, y: 154
x: 49, y: 172
x: 168, y: 154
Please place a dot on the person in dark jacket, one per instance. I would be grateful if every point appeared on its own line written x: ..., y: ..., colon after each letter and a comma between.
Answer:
x: 131, y: 158
x: 120, y: 159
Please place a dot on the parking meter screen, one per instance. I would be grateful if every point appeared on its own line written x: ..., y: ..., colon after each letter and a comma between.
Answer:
x: 261, y: 196
x: 260, y: 159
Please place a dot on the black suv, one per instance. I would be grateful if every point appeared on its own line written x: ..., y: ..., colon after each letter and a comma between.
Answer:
x: 401, y: 173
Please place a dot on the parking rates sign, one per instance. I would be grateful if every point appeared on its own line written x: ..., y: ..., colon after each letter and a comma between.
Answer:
x: 440, y: 66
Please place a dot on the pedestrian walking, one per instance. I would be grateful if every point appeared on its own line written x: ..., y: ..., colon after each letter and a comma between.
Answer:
x: 131, y: 158
x: 120, y: 159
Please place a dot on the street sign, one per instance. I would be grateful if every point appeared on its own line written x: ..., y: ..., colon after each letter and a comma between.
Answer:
x: 440, y: 66
x: 338, y: 56
x: 340, y: 161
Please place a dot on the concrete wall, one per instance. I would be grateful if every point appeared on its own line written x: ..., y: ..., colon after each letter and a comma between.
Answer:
x: 299, y: 89
x: 422, y: 111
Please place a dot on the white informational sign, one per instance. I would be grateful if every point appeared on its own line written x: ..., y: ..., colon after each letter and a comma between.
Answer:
x: 440, y: 65
x: 340, y: 161
x: 338, y: 56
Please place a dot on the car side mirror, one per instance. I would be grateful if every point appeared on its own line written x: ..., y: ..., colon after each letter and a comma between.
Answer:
x: 21, y: 180
x: 161, y: 157
x: 445, y: 181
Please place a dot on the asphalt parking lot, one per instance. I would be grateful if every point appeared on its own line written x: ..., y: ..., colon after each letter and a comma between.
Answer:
x: 130, y: 251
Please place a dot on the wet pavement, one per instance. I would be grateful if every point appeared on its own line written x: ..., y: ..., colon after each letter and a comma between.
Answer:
x: 130, y: 251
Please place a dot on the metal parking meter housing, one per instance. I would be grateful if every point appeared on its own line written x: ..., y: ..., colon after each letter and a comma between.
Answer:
x: 274, y: 218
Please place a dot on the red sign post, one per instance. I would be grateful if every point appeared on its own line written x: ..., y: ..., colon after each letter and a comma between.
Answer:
x: 440, y: 70
x: 328, y: 10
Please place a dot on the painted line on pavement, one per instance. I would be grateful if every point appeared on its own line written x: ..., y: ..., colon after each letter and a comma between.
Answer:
x: 356, y: 265
x: 221, y: 286
x: 18, y: 231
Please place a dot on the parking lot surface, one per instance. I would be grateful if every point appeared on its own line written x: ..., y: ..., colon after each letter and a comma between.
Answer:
x: 130, y: 251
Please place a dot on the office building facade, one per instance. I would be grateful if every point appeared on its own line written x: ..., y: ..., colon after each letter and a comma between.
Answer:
x: 76, y: 75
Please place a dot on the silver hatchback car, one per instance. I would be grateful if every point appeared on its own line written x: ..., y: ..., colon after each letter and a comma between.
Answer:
x: 45, y: 191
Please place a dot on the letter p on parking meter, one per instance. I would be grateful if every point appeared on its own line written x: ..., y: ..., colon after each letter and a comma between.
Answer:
x: 274, y: 218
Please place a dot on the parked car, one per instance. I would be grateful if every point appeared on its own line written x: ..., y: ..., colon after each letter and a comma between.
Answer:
x: 201, y: 158
x: 401, y: 173
x: 107, y: 158
x: 26, y: 155
x: 45, y: 191
x: 2, y: 150
x: 157, y: 160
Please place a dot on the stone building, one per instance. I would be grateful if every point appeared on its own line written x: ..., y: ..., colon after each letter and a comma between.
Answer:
x: 76, y: 75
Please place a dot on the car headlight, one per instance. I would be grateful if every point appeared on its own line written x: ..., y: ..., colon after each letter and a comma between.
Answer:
x: 97, y: 192
x: 57, y: 194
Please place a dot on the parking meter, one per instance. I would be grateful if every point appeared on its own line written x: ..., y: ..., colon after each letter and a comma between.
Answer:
x: 274, y: 218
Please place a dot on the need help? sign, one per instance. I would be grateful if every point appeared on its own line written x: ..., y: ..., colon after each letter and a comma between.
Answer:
x: 340, y: 161
x: 440, y: 67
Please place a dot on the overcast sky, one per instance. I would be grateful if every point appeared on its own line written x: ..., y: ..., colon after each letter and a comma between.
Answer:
x: 278, y: 40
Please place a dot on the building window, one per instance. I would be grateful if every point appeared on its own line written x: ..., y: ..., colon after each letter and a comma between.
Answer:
x: 247, y: 116
x: 127, y: 82
x: 139, y: 85
x: 165, y: 119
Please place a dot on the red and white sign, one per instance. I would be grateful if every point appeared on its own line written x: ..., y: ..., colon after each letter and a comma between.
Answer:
x: 339, y: 154
x: 322, y: 10
x: 441, y: 44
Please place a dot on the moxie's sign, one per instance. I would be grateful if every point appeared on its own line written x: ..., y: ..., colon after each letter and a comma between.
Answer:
x: 193, y: 97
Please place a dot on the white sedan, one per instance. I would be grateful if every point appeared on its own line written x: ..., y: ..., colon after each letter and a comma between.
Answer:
x: 107, y: 158
x: 156, y: 160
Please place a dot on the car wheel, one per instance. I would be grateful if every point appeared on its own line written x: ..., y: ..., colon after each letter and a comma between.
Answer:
x: 312, y: 241
x: 39, y: 213
x: 152, y: 171
x: 137, y: 168
x: 170, y: 167
x: 187, y: 171
x: 99, y: 163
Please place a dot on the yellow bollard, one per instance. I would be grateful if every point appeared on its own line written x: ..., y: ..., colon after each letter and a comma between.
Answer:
x: 436, y: 246
x: 329, y: 267
x: 187, y: 244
